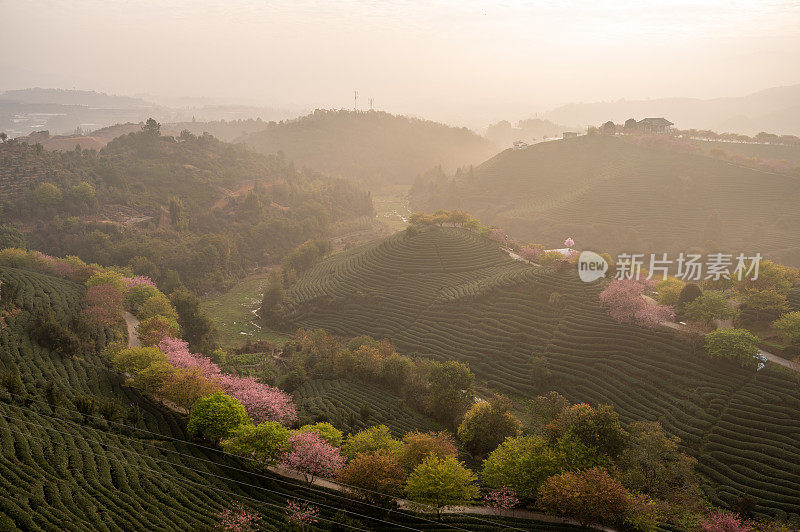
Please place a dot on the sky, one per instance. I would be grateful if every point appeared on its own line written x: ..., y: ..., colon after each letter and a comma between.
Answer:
x: 464, y: 62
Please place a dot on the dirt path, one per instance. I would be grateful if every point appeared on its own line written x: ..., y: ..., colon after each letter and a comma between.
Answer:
x: 132, y: 323
x: 453, y: 510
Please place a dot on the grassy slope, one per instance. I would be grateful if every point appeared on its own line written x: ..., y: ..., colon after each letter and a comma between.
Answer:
x: 232, y: 313
x: 58, y: 473
x: 450, y: 295
x: 614, y: 195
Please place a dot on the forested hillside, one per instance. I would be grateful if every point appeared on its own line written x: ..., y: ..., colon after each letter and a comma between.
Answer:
x: 450, y: 294
x: 191, y: 209
x: 633, y: 194
x: 374, y: 148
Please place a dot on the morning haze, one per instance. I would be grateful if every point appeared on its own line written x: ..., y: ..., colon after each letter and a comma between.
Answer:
x: 302, y: 266
x: 466, y: 63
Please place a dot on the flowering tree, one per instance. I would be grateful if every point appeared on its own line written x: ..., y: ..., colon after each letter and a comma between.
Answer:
x: 261, y: 401
x: 104, y: 295
x: 722, y: 521
x: 237, y: 518
x: 301, y: 514
x: 100, y: 316
x: 138, y: 280
x: 531, y: 253
x: 501, y: 499
x: 626, y: 304
x: 498, y: 235
x: 312, y: 456
x: 569, y: 242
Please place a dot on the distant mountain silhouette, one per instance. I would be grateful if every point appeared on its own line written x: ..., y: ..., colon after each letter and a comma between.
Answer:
x: 775, y: 110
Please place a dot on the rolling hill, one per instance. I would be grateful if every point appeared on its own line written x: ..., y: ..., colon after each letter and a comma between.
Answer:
x: 619, y: 194
x: 374, y: 148
x: 450, y: 294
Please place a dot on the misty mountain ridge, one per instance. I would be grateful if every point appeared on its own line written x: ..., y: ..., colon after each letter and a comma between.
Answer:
x: 775, y: 110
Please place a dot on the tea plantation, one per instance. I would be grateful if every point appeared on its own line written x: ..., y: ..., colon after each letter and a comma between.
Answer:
x: 352, y: 407
x: 450, y: 294
x: 126, y: 464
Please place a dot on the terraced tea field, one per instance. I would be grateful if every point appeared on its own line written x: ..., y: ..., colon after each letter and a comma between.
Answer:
x: 341, y: 403
x: 60, y: 470
x: 450, y: 294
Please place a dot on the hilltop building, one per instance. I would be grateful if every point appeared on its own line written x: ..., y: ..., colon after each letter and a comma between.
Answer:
x: 520, y: 144
x: 569, y: 134
x: 660, y: 126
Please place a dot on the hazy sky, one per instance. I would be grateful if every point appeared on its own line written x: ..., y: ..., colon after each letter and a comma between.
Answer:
x: 461, y: 61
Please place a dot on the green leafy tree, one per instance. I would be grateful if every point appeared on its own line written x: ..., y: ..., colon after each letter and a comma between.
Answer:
x: 765, y: 304
x: 688, y: 293
x: 151, y: 127
x: 266, y: 442
x: 327, y: 432
x: 487, y: 424
x: 441, y: 482
x: 652, y: 464
x: 707, y: 307
x: 152, y: 330
x: 788, y: 326
x: 669, y: 290
x: 370, y: 440
x: 733, y: 344
x: 197, y: 327
x: 451, y: 392
x: 11, y: 237
x: 136, y: 359
x: 598, y: 428
x: 376, y: 477
x: 273, y: 296
x: 522, y: 464
x: 217, y: 416
x: 47, y: 197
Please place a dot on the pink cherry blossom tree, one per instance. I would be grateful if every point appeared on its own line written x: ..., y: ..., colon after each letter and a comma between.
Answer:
x: 262, y: 402
x: 237, y: 518
x: 722, y: 521
x: 301, y: 514
x: 138, y: 280
x: 312, y: 456
x: 569, y: 242
x: 498, y: 235
x: 501, y: 499
x: 625, y: 301
x: 531, y: 253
